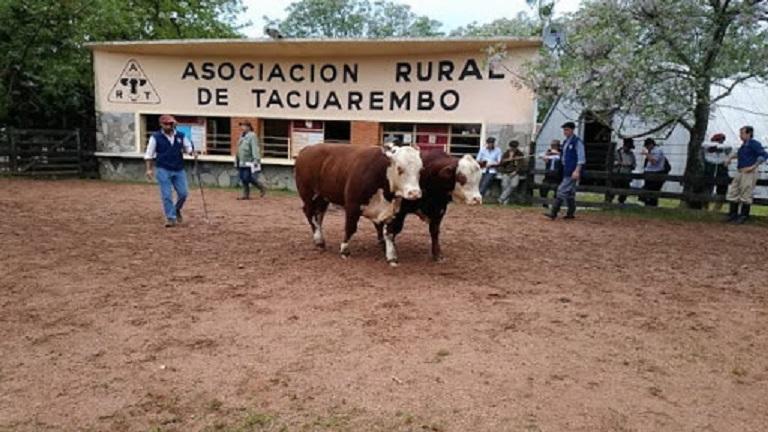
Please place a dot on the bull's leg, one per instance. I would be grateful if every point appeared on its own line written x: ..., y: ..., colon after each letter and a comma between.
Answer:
x: 390, y: 231
x: 314, y: 210
x: 379, y: 233
x: 321, y: 206
x: 389, y: 248
x: 434, y: 232
x: 350, y: 227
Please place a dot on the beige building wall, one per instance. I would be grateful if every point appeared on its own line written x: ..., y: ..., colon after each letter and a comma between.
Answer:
x: 178, y: 84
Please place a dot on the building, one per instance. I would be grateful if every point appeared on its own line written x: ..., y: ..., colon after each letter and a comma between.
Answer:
x: 438, y: 93
x: 746, y: 105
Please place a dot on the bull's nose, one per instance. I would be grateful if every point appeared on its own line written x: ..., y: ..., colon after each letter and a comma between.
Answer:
x: 476, y: 201
x: 413, y: 194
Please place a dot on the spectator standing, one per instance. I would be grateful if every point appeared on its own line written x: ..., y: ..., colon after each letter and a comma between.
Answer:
x: 553, y: 168
x: 750, y: 155
x: 716, y: 156
x: 655, y: 166
x: 624, y: 162
x: 573, y: 159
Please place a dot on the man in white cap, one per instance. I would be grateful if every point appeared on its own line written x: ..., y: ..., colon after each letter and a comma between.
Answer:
x: 167, y: 147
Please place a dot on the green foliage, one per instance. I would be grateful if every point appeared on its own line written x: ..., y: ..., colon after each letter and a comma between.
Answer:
x: 522, y: 26
x: 46, y: 77
x: 353, y: 19
x: 656, y: 59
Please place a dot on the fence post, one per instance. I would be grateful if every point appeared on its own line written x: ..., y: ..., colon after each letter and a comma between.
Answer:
x: 609, y: 160
x: 529, y: 178
x: 12, y: 162
x: 79, y: 154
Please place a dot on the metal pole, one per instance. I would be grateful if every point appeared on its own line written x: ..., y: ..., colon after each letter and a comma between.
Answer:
x: 202, y: 195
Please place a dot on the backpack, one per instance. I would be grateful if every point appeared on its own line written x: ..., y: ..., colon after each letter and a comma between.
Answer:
x: 667, y: 166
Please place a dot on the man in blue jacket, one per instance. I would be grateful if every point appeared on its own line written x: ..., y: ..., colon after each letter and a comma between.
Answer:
x: 750, y: 155
x: 573, y: 159
x: 167, y: 147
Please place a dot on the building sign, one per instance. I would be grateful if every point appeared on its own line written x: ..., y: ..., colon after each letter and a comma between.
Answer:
x: 452, y: 87
x: 133, y: 86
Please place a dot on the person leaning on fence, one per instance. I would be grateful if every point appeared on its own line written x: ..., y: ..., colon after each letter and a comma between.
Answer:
x: 167, y: 147
x: 573, y: 158
x: 624, y: 162
x: 749, y: 156
x: 513, y: 163
x: 553, y: 169
x: 489, y: 158
x: 656, y: 166
x: 716, y: 156
x: 248, y: 162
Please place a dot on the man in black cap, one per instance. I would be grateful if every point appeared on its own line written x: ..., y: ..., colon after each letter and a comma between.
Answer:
x: 573, y: 159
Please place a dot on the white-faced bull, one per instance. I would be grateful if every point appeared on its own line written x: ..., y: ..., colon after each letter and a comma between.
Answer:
x: 444, y: 178
x: 367, y: 181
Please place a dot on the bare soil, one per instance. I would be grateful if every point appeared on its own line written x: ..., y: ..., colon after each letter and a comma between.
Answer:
x: 110, y: 322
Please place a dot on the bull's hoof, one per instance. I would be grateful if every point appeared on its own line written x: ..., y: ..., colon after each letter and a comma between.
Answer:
x: 344, y: 256
x: 320, y: 245
x: 393, y: 263
x: 438, y: 258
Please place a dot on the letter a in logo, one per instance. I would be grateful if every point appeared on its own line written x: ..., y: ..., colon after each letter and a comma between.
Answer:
x: 133, y: 86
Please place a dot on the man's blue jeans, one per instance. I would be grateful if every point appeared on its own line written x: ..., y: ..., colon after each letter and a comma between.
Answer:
x: 172, y: 179
x: 485, y: 182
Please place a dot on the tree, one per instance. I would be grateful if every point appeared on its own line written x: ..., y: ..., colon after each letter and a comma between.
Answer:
x: 522, y: 25
x: 660, y: 61
x: 46, y: 76
x: 353, y: 19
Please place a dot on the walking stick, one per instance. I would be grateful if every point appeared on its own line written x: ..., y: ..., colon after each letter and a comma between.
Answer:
x: 202, y: 195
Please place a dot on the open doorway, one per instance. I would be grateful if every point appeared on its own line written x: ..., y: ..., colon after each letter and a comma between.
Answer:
x: 597, y: 143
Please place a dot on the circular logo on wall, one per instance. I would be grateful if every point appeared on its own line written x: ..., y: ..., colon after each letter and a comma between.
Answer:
x: 133, y: 86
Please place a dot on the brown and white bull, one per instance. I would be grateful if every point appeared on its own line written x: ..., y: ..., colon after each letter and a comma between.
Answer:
x: 366, y: 181
x: 443, y: 179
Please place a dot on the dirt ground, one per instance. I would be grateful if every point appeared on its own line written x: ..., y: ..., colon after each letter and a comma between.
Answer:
x: 110, y: 322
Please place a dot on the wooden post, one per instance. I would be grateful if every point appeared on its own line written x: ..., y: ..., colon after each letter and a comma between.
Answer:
x: 609, y: 160
x: 79, y: 154
x: 12, y: 162
x: 529, y: 178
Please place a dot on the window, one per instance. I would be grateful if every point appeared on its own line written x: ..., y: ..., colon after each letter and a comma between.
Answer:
x: 337, y: 132
x: 209, y: 135
x: 456, y: 139
x: 217, y: 136
x: 465, y: 139
x: 276, y: 136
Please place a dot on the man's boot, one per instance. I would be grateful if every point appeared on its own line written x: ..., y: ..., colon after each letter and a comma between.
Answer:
x: 744, y: 216
x: 571, y: 213
x: 245, y: 194
x: 733, y: 212
x: 552, y: 213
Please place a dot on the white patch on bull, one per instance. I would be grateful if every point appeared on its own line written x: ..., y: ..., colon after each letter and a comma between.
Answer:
x: 317, y: 236
x: 344, y: 250
x: 379, y: 210
x: 469, y: 192
x: 389, y: 247
x: 403, y: 171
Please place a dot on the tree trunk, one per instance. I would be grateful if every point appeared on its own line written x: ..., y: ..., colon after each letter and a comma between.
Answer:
x: 694, y: 169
